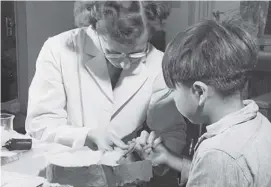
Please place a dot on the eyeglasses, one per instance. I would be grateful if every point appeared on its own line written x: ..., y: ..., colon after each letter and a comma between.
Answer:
x: 121, y: 56
x: 130, y: 55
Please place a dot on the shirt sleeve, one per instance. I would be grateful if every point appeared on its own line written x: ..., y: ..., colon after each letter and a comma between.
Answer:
x: 164, y: 118
x: 216, y: 168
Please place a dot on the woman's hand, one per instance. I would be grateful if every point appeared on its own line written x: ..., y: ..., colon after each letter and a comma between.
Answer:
x: 105, y: 140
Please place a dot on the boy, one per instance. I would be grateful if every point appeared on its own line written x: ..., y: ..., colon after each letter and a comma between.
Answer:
x: 207, y: 68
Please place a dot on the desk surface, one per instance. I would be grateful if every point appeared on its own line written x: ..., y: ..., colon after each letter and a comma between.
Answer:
x: 33, y: 161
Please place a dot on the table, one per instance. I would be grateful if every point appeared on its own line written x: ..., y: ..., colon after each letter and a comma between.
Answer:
x: 33, y: 161
x: 25, y: 171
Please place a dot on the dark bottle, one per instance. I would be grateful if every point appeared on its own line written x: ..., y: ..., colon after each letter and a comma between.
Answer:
x: 18, y: 144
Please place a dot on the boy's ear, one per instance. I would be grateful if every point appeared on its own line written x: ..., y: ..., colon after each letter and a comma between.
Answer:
x: 201, y: 91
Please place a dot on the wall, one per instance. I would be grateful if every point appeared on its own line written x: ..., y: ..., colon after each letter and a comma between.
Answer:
x: 224, y: 6
x: 44, y: 19
x: 21, y: 45
x: 180, y: 16
x: 177, y: 21
x: 36, y: 21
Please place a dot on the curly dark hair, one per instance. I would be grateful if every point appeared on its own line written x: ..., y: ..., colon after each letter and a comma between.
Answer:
x: 123, y: 21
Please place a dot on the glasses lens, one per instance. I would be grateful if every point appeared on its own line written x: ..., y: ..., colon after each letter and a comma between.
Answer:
x: 140, y: 54
x: 137, y: 55
x: 114, y: 56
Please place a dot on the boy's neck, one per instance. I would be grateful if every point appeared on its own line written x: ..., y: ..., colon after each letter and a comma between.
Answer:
x: 223, y: 107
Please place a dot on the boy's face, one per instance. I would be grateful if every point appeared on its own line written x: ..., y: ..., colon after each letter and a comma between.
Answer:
x: 187, y: 101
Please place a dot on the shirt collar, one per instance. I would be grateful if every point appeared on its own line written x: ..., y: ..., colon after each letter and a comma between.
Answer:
x: 245, y: 114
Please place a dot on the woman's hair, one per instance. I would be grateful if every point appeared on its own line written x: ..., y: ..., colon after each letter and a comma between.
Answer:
x: 219, y: 54
x: 123, y: 21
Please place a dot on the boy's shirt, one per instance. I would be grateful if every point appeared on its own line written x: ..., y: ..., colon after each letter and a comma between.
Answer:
x: 235, y: 151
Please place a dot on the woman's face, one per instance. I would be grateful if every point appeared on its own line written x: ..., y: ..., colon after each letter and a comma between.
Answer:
x: 119, y: 54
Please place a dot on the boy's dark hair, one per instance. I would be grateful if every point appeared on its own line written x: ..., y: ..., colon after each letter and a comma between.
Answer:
x: 218, y: 54
x: 124, y: 21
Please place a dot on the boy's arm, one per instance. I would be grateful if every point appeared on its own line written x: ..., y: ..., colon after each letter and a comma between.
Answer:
x: 180, y: 164
x: 164, y: 118
x: 216, y: 168
x: 177, y: 163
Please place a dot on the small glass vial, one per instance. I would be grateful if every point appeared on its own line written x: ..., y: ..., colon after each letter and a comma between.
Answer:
x: 7, y: 121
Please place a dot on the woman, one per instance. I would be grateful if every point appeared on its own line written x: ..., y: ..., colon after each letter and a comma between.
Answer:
x: 100, y: 83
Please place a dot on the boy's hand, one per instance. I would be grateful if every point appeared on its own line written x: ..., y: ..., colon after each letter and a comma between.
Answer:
x: 147, y: 139
x: 157, y: 155
x: 150, y: 147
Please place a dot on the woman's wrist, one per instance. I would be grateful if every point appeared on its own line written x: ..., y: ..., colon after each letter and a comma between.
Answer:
x: 90, y: 140
x: 90, y: 135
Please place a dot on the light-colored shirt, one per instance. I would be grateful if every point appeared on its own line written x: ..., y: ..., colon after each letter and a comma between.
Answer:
x: 234, y: 152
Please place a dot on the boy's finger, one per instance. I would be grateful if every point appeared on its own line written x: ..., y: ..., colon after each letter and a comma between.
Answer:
x: 156, y: 142
x: 143, y: 138
x: 151, y: 138
x: 148, y: 150
x: 138, y: 147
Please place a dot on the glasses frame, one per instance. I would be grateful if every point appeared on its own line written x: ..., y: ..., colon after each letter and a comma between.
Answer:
x: 137, y: 55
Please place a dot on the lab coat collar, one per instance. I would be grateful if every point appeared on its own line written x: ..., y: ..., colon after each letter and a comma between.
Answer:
x: 130, y: 81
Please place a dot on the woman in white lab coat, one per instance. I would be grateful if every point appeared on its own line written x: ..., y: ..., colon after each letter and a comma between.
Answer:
x: 100, y: 83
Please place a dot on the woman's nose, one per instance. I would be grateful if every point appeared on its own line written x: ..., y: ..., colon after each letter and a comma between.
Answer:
x: 126, y: 63
x: 127, y: 60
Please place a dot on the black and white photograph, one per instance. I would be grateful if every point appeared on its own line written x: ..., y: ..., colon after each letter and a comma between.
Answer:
x: 135, y: 93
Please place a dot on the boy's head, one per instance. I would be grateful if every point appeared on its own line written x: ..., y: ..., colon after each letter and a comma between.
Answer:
x: 208, y: 63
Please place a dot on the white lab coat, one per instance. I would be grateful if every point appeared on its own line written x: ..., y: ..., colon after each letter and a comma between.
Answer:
x: 71, y: 94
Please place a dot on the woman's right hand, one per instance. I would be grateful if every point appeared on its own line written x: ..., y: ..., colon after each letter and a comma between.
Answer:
x: 105, y: 140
